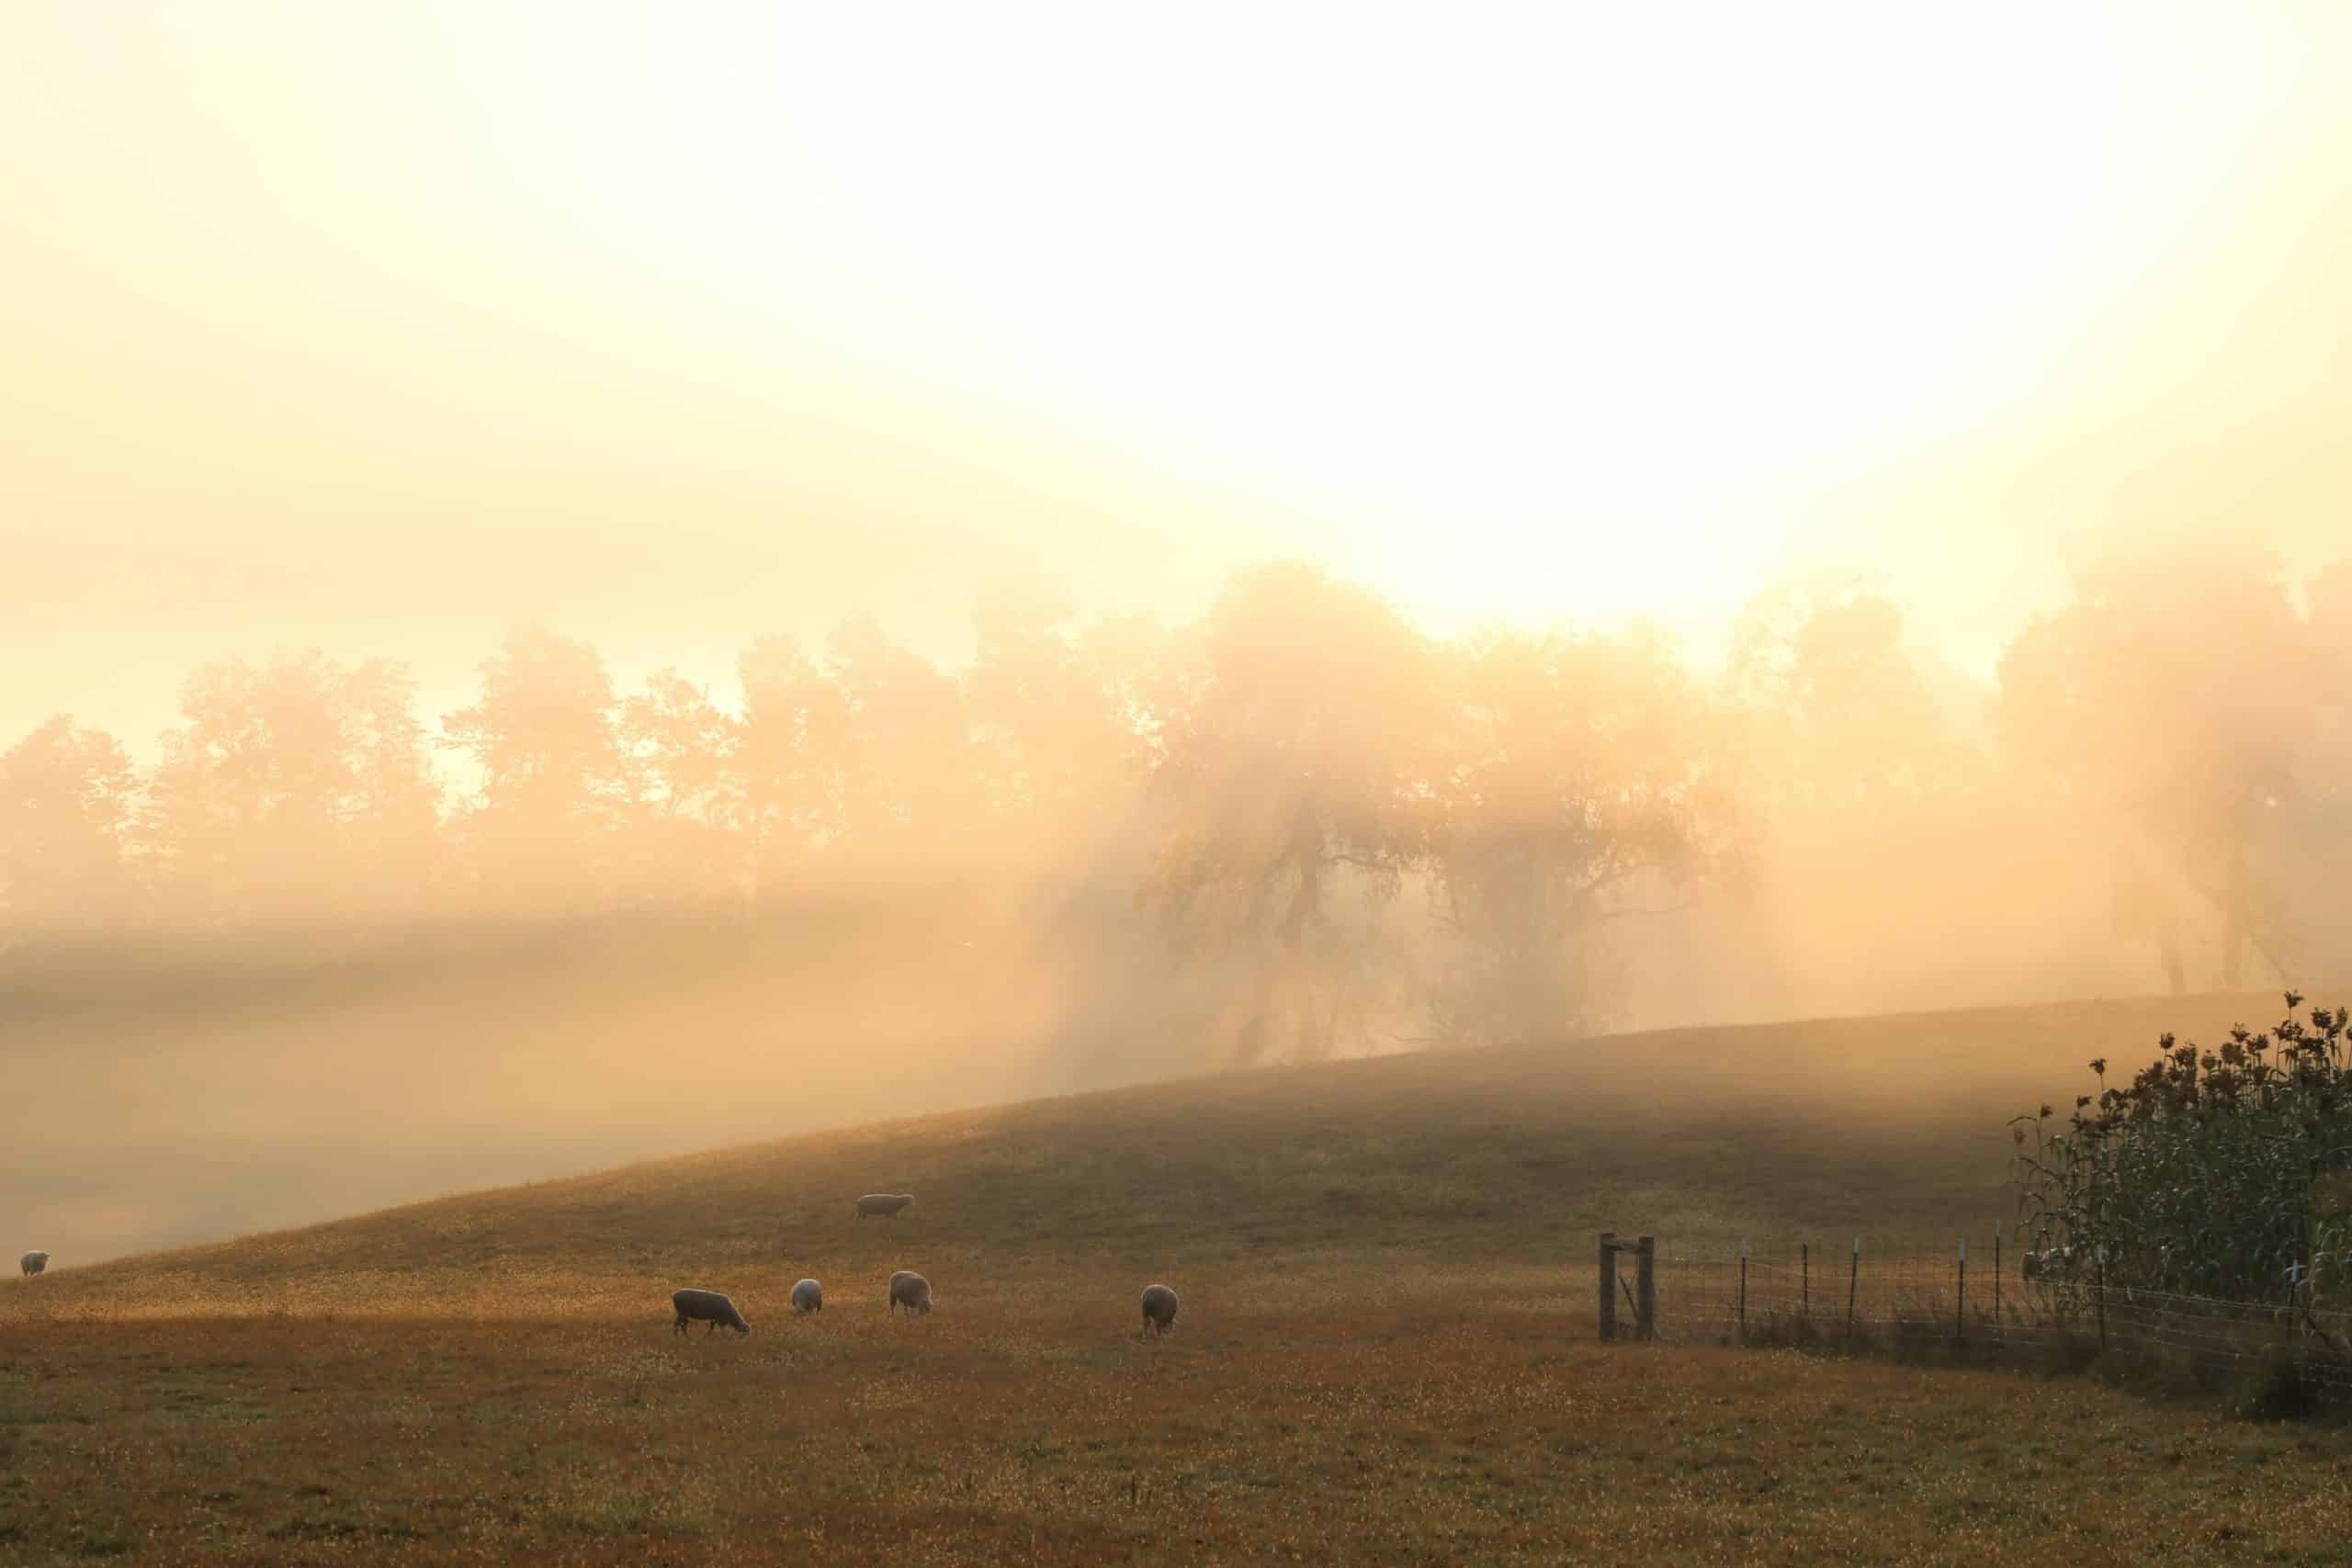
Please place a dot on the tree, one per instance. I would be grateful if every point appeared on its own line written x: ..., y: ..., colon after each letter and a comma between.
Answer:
x: 900, y: 744
x: 296, y: 790
x: 1577, y: 791
x: 552, y: 780
x: 68, y: 796
x: 2169, y: 709
x: 1838, y: 719
x: 687, y: 797
x: 1298, y: 770
x: 1055, y: 717
x: 795, y: 724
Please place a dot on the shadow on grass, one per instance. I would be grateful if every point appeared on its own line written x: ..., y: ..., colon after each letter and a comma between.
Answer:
x: 2308, y: 1381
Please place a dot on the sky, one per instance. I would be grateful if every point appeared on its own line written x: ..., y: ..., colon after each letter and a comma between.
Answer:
x: 383, y: 327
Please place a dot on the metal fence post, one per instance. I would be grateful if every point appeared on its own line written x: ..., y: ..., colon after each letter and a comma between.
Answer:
x: 1959, y: 1310
x: 1742, y: 1290
x: 1804, y: 1281
x: 1853, y: 1285
x: 2102, y: 1300
x: 1996, y: 1276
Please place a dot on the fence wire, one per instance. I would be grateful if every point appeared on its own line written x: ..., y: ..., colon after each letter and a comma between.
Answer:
x: 1709, y: 1293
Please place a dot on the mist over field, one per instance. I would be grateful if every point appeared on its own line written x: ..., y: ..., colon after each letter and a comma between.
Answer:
x: 326, y: 951
x: 573, y: 592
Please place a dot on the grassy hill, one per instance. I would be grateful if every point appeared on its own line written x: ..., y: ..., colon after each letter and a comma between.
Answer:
x: 1891, y: 1127
x: 1497, y: 1159
x: 1384, y: 1352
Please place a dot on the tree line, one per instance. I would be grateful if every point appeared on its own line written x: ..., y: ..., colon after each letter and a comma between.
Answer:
x: 1291, y: 792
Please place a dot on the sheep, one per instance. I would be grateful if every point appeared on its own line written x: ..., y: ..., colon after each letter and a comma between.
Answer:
x: 706, y: 1306
x: 885, y: 1204
x: 807, y: 1296
x: 909, y: 1289
x: 1158, y: 1309
x: 33, y: 1262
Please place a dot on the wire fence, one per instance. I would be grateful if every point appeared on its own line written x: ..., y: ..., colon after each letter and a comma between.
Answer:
x: 1972, y: 1298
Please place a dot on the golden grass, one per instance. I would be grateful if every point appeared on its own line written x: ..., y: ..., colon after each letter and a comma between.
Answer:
x: 1430, y: 1432
x: 1383, y: 1354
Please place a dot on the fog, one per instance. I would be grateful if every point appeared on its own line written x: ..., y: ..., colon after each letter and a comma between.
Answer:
x: 324, y: 952
x: 576, y: 591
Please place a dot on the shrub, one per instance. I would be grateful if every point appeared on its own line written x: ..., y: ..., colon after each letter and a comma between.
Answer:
x: 2332, y: 1240
x: 2207, y: 1175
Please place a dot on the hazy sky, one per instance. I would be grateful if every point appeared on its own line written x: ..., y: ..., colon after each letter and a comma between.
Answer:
x: 380, y: 326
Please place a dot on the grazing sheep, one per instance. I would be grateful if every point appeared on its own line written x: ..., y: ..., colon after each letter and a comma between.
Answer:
x: 807, y: 1296
x: 1158, y: 1309
x: 910, y: 1291
x: 33, y: 1262
x: 706, y: 1306
x: 885, y: 1204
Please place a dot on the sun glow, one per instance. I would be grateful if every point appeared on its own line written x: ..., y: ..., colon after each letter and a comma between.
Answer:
x: 1529, y: 311
x: 1540, y: 304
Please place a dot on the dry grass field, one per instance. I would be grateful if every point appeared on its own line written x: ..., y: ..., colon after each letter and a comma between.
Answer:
x: 1383, y: 1354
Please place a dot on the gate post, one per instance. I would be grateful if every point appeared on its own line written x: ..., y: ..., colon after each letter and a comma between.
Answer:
x: 1645, y: 1287
x: 1608, y: 1285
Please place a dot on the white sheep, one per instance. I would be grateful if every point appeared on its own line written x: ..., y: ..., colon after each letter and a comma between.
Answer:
x: 33, y: 1262
x: 1158, y: 1309
x: 706, y: 1306
x: 885, y: 1204
x: 910, y: 1291
x: 807, y: 1296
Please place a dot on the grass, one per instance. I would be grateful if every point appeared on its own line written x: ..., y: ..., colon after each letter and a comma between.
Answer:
x: 1384, y: 1353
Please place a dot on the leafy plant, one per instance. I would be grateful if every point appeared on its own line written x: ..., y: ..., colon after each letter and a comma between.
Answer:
x: 2198, y: 1176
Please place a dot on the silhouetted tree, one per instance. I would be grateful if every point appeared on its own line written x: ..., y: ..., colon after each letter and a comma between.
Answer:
x: 296, y: 790
x: 1578, y: 790
x: 1299, y: 771
x: 2169, y: 710
x: 688, y: 814
x: 1837, y: 721
x: 67, y: 798
x: 1056, y: 719
x: 900, y: 744
x: 553, y: 784
x: 796, y: 722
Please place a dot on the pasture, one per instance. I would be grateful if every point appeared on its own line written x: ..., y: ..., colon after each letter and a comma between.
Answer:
x: 1383, y: 1354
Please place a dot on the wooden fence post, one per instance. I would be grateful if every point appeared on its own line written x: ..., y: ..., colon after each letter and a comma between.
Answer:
x: 1607, y: 1286
x: 1645, y: 1287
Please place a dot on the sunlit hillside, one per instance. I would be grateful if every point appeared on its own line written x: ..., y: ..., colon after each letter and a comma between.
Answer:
x: 1487, y: 1162
x: 1385, y: 1350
